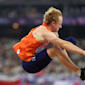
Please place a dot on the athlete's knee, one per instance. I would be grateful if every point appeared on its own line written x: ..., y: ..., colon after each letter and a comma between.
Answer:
x: 52, y: 52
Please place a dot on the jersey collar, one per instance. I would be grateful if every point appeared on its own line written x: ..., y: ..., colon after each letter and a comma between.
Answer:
x: 44, y: 24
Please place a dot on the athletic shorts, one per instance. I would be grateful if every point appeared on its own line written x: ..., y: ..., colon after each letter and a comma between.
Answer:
x: 38, y: 62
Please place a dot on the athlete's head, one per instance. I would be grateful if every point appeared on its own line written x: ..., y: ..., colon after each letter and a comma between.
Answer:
x: 53, y: 17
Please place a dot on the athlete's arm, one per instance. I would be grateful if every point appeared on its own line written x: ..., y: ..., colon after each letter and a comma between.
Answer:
x: 51, y: 37
x: 66, y: 61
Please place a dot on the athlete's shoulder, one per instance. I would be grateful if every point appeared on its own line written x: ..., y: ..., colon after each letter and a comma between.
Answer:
x: 41, y: 27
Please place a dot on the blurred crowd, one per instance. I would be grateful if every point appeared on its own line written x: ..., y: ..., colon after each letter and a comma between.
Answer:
x: 9, y: 62
x: 19, y: 12
x: 27, y: 11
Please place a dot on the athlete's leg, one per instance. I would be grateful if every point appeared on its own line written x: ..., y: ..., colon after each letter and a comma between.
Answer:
x: 64, y: 59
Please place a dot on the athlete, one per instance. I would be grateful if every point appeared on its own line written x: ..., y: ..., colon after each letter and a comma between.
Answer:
x: 42, y: 35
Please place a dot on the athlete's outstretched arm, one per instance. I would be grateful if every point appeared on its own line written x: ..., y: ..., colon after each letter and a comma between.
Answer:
x: 51, y: 37
x: 66, y: 61
x: 70, y: 46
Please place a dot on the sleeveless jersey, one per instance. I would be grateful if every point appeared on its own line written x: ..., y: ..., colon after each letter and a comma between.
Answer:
x: 27, y: 46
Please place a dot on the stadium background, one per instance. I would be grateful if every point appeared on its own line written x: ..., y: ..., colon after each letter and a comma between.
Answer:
x: 17, y: 17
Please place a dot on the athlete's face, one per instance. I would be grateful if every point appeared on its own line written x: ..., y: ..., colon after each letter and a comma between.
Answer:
x: 57, y: 25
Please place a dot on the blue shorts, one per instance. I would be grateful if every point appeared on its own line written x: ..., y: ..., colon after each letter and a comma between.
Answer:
x: 39, y: 62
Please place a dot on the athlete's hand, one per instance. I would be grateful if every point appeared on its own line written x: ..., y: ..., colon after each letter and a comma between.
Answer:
x: 82, y: 75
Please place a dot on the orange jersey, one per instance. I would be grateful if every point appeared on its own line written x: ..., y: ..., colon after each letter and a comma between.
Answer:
x: 27, y: 46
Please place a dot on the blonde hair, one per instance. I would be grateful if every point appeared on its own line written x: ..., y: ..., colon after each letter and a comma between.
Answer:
x: 51, y: 14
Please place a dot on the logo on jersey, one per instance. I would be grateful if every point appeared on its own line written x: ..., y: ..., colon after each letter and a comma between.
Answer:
x: 18, y: 51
